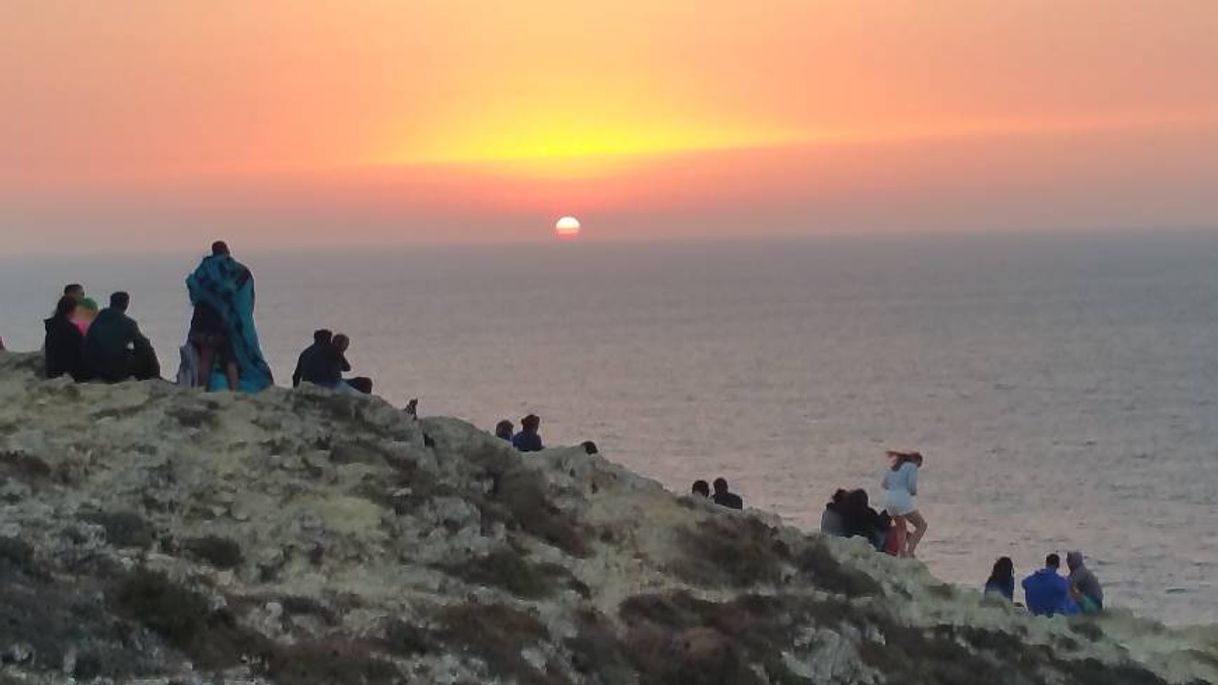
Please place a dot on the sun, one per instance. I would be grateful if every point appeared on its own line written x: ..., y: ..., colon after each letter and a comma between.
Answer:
x: 567, y: 227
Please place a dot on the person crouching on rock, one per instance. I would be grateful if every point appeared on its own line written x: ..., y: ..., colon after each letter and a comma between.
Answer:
x: 900, y: 485
x: 528, y: 439
x: 504, y: 430
x: 700, y: 488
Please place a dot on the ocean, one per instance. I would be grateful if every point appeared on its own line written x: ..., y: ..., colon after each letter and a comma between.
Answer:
x: 1064, y: 388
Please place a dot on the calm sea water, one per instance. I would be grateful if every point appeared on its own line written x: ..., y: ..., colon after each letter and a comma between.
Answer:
x: 1064, y: 389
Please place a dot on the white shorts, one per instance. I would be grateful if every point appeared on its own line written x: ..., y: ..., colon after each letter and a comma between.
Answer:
x: 899, y: 503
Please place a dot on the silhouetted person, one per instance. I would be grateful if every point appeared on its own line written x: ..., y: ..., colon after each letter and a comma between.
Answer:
x: 860, y: 519
x: 226, y: 287
x: 528, y: 439
x: 75, y: 291
x: 1085, y: 588
x: 209, y: 336
x: 725, y: 498
x: 319, y: 363
x: 1002, y: 579
x: 64, y: 347
x: 833, y: 519
x: 701, y: 488
x: 589, y: 447
x: 1046, y: 592
x: 504, y: 430
x: 115, y: 349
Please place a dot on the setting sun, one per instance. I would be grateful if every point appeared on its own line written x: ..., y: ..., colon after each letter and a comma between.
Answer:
x: 567, y: 227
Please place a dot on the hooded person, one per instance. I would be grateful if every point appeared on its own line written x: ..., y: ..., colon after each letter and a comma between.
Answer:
x: 222, y: 292
x: 833, y: 518
x: 1085, y: 588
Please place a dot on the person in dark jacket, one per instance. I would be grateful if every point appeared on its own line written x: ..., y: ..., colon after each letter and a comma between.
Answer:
x: 528, y: 439
x: 1085, y: 588
x: 860, y: 519
x: 1002, y: 579
x: 64, y: 345
x: 724, y: 497
x: 115, y: 349
x: 320, y: 363
x: 700, y: 488
x: 504, y: 430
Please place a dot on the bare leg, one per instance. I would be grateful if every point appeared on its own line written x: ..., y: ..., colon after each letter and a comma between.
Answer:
x: 898, y: 527
x: 919, y: 525
x: 207, y: 355
x: 230, y: 372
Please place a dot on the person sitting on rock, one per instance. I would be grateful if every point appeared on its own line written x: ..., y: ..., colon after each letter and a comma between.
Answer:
x: 528, y: 439
x: 359, y: 384
x: 832, y: 519
x: 862, y: 520
x: 115, y: 349
x: 700, y: 488
x: 1085, y: 588
x: 724, y: 497
x: 1046, y: 592
x: 590, y: 447
x: 86, y: 311
x: 1002, y: 580
x: 64, y: 346
x: 75, y: 291
x: 504, y: 430
x: 318, y: 363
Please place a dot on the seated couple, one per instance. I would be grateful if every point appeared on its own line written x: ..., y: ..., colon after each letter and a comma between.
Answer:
x: 324, y: 362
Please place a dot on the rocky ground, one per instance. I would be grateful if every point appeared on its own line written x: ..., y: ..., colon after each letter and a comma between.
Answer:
x: 157, y: 535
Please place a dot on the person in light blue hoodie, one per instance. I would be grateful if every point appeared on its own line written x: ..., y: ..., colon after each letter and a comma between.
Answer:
x: 1047, y: 592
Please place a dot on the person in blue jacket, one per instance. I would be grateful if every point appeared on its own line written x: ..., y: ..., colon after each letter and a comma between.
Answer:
x: 1047, y: 592
x: 528, y: 439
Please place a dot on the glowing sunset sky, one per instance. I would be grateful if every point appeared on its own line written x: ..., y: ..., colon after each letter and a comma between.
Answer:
x: 146, y: 122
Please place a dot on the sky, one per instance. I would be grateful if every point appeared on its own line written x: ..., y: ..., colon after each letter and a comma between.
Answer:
x: 139, y: 124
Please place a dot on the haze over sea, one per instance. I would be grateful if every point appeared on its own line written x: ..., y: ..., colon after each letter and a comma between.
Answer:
x: 1064, y: 388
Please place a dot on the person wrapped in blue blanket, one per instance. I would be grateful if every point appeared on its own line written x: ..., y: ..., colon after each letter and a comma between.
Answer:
x: 222, y: 292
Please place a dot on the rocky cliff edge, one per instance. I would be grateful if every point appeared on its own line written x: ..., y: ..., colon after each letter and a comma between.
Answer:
x: 158, y: 535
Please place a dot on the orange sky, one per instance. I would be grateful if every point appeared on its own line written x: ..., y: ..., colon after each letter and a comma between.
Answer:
x: 143, y: 122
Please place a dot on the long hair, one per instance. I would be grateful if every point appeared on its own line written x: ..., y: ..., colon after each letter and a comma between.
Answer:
x: 65, y: 307
x: 1004, y: 571
x: 900, y: 458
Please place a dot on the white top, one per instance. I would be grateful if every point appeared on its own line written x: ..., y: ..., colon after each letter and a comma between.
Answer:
x: 900, y: 486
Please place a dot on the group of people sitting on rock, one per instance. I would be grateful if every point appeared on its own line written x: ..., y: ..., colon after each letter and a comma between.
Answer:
x: 722, y: 495
x: 222, y: 351
x: 1046, y: 591
x: 87, y: 345
x: 849, y: 513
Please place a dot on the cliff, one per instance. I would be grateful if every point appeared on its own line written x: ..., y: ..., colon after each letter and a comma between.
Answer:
x: 157, y: 535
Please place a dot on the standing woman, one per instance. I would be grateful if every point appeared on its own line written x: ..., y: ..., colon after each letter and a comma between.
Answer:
x: 900, y: 490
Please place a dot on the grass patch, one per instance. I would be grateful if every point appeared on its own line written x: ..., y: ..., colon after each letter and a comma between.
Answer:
x: 510, y: 570
x: 212, y: 640
x: 732, y: 551
x: 215, y: 550
x: 123, y: 528
x: 496, y: 634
